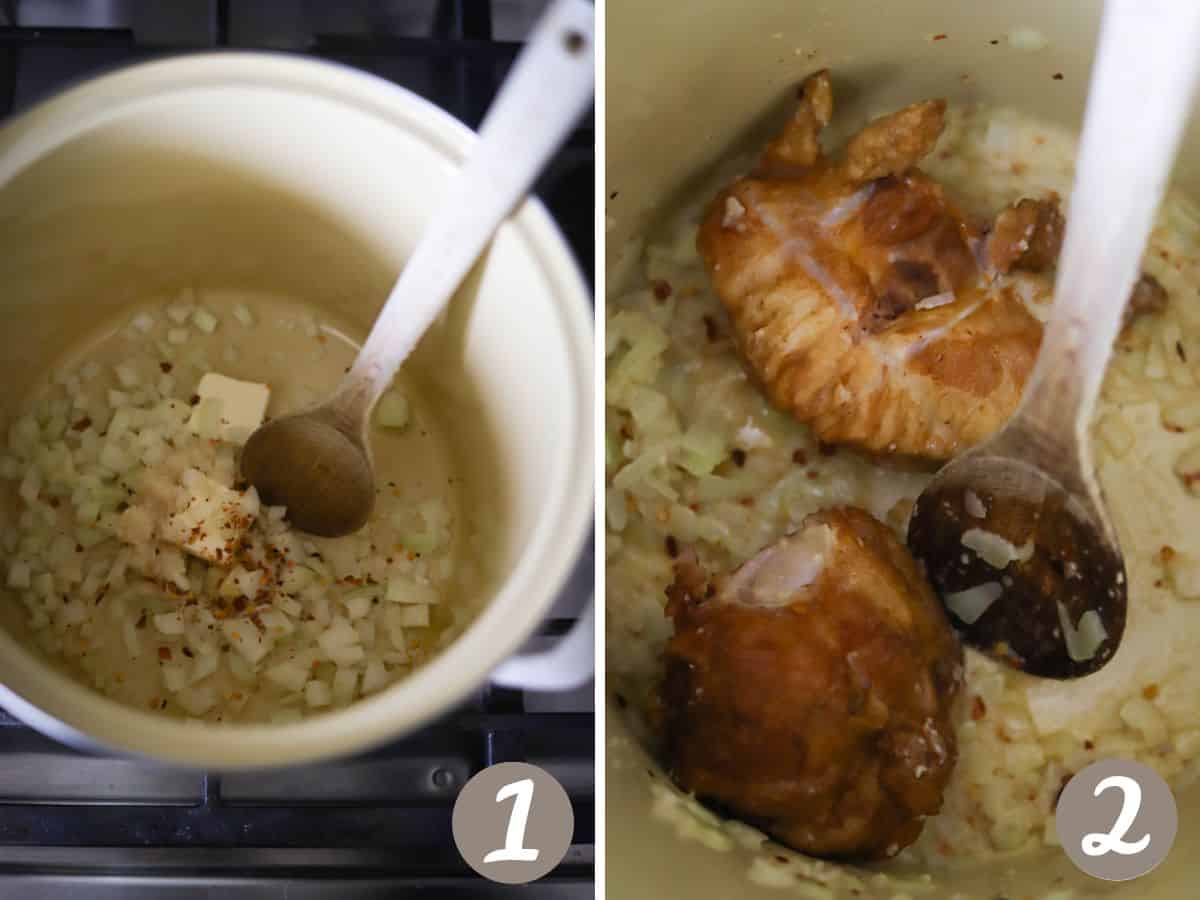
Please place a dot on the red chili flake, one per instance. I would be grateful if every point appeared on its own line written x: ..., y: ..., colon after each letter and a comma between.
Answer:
x: 166, y: 367
x: 239, y: 604
x: 812, y: 475
x: 1150, y: 691
x: 710, y: 328
x: 622, y: 703
x: 993, y: 42
x: 83, y: 424
x: 1180, y: 352
x: 1088, y: 745
x: 738, y: 456
x: 799, y: 457
x: 79, y: 548
x: 978, y: 708
x: 55, y: 503
x: 1058, y: 76
x: 194, y: 399
x: 141, y: 622
x: 940, y: 37
x: 188, y: 652
x: 164, y: 652
x: 826, y: 449
x: 672, y: 546
x: 662, y: 289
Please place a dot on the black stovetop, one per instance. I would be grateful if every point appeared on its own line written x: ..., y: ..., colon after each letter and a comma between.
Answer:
x: 373, y: 826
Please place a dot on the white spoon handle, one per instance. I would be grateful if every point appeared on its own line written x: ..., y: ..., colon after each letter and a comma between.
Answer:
x: 549, y: 87
x: 1143, y: 82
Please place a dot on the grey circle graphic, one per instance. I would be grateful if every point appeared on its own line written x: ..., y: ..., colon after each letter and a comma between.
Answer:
x: 513, y: 823
x: 1116, y: 819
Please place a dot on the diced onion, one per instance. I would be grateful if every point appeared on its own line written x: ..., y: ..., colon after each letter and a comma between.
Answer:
x: 1083, y: 639
x: 204, y: 320
x: 317, y: 693
x: 392, y: 411
x: 374, y: 677
x: 970, y: 605
x: 994, y: 549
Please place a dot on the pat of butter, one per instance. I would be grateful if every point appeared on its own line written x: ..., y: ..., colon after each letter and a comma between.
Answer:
x: 229, y: 410
x: 210, y: 519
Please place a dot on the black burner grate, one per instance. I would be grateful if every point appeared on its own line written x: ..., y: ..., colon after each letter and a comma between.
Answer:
x: 373, y: 826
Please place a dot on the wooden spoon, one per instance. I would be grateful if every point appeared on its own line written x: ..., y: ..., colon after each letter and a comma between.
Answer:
x: 1014, y: 533
x: 318, y: 463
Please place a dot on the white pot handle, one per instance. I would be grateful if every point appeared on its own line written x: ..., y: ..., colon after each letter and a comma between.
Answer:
x: 567, y: 665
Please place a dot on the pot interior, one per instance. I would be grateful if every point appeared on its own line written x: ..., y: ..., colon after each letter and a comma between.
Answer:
x: 259, y: 181
x: 680, y: 101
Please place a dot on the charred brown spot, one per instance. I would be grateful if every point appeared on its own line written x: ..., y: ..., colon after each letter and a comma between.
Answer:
x: 978, y: 708
x: 1027, y: 235
x: 899, y: 211
x: 1148, y: 298
x: 906, y: 284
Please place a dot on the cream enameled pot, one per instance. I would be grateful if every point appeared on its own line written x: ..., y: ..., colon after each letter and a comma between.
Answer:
x: 311, y: 180
x: 687, y: 84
